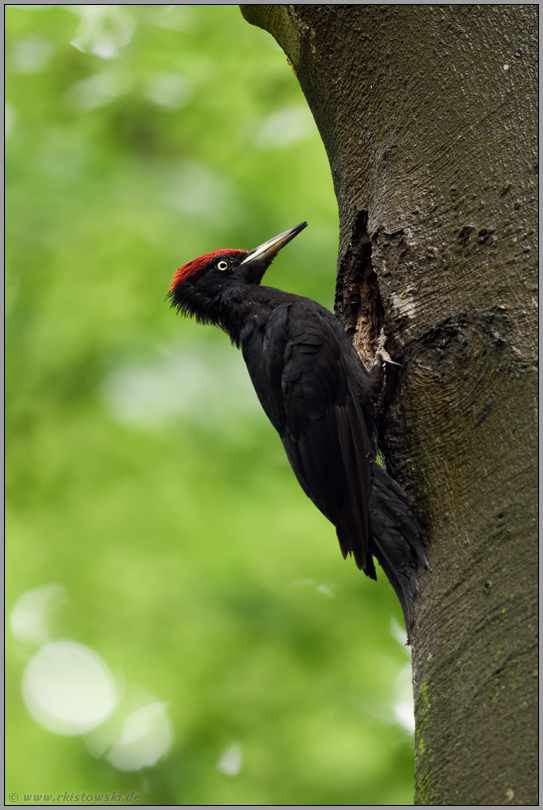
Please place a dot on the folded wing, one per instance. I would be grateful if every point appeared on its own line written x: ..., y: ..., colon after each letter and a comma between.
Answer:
x: 310, y: 383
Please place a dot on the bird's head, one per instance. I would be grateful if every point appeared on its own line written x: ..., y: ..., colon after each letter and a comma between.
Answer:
x: 198, y: 286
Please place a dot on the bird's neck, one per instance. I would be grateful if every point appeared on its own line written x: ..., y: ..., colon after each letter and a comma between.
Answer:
x: 238, y: 309
x: 243, y: 311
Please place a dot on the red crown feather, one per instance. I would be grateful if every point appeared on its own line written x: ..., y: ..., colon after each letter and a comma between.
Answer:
x: 190, y: 268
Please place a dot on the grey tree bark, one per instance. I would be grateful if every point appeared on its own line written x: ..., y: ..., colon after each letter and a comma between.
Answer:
x: 427, y: 114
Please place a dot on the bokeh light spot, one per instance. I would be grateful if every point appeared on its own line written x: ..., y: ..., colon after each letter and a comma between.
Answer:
x: 30, y: 617
x: 231, y: 760
x: 68, y: 688
x: 146, y: 735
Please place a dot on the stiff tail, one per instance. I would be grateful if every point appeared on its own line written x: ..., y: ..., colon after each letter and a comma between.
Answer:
x: 398, y: 538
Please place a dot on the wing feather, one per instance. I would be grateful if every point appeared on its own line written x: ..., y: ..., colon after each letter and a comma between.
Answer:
x: 312, y: 390
x: 317, y: 395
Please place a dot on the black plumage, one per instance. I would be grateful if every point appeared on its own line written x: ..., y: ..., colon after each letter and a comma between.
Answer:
x: 319, y: 397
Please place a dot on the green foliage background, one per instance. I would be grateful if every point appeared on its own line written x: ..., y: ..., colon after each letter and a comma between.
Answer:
x: 142, y: 475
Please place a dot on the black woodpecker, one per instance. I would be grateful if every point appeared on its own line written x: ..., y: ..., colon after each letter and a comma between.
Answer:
x: 319, y: 397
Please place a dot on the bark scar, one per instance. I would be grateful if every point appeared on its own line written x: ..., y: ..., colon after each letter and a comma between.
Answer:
x: 359, y: 300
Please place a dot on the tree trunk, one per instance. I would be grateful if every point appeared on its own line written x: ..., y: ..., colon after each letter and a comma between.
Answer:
x: 428, y: 117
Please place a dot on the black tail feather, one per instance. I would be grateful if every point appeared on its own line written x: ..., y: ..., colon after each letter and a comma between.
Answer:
x: 398, y: 538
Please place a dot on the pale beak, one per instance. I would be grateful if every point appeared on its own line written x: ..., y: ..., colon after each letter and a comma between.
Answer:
x: 266, y: 252
x: 382, y: 356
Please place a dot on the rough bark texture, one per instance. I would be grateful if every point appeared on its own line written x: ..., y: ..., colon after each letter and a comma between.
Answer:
x: 428, y: 117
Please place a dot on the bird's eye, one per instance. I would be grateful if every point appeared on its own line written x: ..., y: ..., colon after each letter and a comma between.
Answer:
x: 222, y: 266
